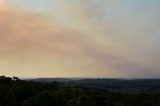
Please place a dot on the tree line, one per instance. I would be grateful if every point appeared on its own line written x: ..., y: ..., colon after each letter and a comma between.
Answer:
x: 17, y: 92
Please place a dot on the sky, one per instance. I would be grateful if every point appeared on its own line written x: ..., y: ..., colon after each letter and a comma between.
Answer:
x: 80, y: 38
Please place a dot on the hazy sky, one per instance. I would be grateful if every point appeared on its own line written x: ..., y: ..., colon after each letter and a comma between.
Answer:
x: 80, y: 38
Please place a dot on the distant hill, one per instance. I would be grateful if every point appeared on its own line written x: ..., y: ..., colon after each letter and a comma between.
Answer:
x: 120, y: 84
x: 51, y: 79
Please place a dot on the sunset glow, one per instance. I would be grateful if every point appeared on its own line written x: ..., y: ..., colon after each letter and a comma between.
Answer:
x: 80, y: 38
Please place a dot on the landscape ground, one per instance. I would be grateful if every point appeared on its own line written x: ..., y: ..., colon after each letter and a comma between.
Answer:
x: 79, y: 92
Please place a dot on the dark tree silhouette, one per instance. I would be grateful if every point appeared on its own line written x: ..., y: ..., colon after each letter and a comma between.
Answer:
x: 17, y: 92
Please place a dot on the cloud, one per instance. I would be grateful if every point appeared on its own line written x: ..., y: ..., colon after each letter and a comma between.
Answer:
x: 80, y: 38
x: 33, y: 43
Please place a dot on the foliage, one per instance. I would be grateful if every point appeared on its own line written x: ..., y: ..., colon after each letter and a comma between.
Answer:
x: 16, y: 92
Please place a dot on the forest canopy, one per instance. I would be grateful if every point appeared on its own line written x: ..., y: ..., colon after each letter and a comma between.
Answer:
x: 17, y: 92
